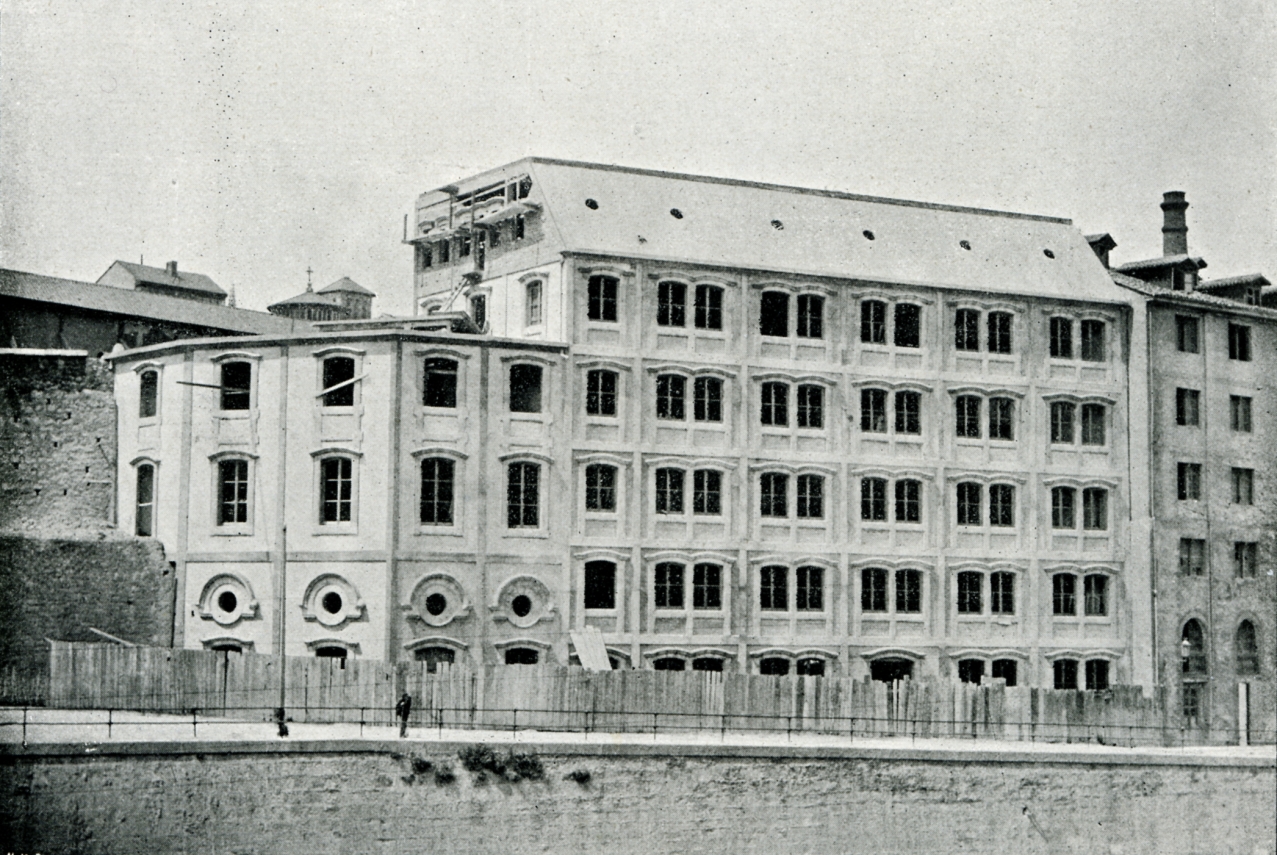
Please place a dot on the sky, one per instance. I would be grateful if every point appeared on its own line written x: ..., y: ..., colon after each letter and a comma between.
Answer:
x: 251, y: 141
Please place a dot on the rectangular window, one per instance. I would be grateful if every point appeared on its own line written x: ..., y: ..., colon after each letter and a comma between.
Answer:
x: 232, y: 479
x: 1095, y: 509
x: 600, y: 585
x: 709, y: 307
x: 339, y: 371
x: 445, y: 251
x: 533, y: 303
x: 909, y: 412
x: 773, y: 493
x: 1186, y: 334
x: 1243, y: 486
x: 600, y: 393
x: 969, y: 503
x: 967, y: 413
x: 1001, y: 418
x: 873, y: 322
x: 525, y: 388
x: 1239, y: 342
x: 908, y: 591
x: 873, y: 589
x: 1187, y: 407
x: 707, y: 492
x: 970, y: 592
x: 873, y: 499
x: 810, y: 589
x: 1096, y: 595
x: 811, y: 316
x: 1093, y: 349
x: 148, y: 395
x: 707, y: 396
x: 671, y: 393
x: 463, y: 249
x: 1189, y: 481
x: 1244, y: 558
x: 669, y: 585
x: 671, y: 307
x: 811, y: 497
x: 1097, y: 675
x: 602, y: 298
x: 1062, y: 421
x: 1192, y: 556
x: 707, y: 586
x: 908, y: 331
x: 437, y: 481
x: 520, y: 227
x: 1001, y: 505
x: 600, y: 487
x: 999, y: 332
x: 669, y: 491
x: 1062, y: 338
x: 811, y: 406
x: 145, y: 506
x: 775, y: 404
x: 479, y: 310
x: 773, y: 316
x: 1239, y: 413
x: 1064, y: 594
x: 873, y: 410
x: 237, y: 385
x: 1093, y: 432
x: 1064, y: 672
x: 774, y: 589
x: 908, y: 501
x: 439, y: 386
x: 1002, y: 593
x: 336, y: 486
x: 425, y: 257
x: 523, y: 502
x: 966, y: 329
x: 1063, y: 507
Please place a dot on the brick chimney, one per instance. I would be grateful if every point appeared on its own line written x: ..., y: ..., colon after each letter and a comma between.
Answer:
x: 1174, y: 223
x: 171, y: 267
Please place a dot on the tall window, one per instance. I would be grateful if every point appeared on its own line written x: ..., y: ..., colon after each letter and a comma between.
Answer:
x: 873, y: 499
x: 1245, y: 554
x: 669, y: 585
x: 1247, y: 647
x: 600, y: 393
x: 148, y: 394
x: 773, y: 499
x: 1062, y: 421
x: 774, y: 588
x: 1093, y: 341
x: 237, y: 385
x: 707, y: 492
x: 437, y: 488
x: 1062, y: 338
x: 809, y: 590
x: 1097, y: 675
x: 908, y: 325
x: 970, y: 592
x: 1002, y: 593
x: 445, y: 251
x: 339, y: 376
x: 908, y: 501
x: 909, y: 412
x: 1095, y: 509
x: 232, y: 481
x: 671, y: 304
x: 873, y: 589
x: 1064, y: 672
x: 873, y: 322
x: 1063, y: 507
x: 145, y: 525
x: 1192, y: 556
x: 602, y: 298
x: 1239, y: 413
x: 999, y: 332
x: 439, y: 388
x: 523, y: 501
x: 707, y: 586
x: 1001, y: 505
x: 811, y: 497
x: 775, y: 409
x: 479, y: 310
x: 707, y: 399
x: 600, y: 585
x: 1189, y: 481
x: 969, y: 503
x: 1239, y: 342
x: 669, y: 491
x: 966, y: 329
x: 1095, y: 589
x: 873, y: 410
x: 525, y: 388
x: 774, y: 314
x: 336, y: 489
x: 1195, y: 662
x: 533, y: 304
x: 1186, y: 334
x: 971, y: 670
x: 1093, y: 417
x: 909, y: 591
x: 1064, y: 594
x: 1187, y: 407
x: 811, y: 406
x: 671, y: 395
x: 967, y: 411
x: 1001, y: 418
x: 709, y: 307
x: 1243, y: 486
x: 600, y: 487
x: 811, y: 316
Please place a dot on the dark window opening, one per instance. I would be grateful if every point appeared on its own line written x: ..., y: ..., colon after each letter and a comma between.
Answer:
x: 522, y: 656
x: 970, y: 593
x: 669, y: 663
x: 1062, y: 338
x: 809, y: 590
x: 1247, y: 649
x: 1001, y: 505
x: 1001, y: 418
x: 600, y: 393
x: 600, y: 585
x: 339, y: 370
x: 1193, y: 648
x: 1239, y: 342
x: 909, y: 412
x: 908, y: 591
x: 149, y: 392
x: 237, y: 384
x: 439, y: 386
x: 966, y: 329
x: 707, y: 399
x: 774, y: 588
x: 971, y: 670
x: 873, y: 589
x: 1064, y: 674
x: 433, y: 656
x: 707, y: 489
x: 1192, y: 556
x: 227, y: 601
x: 1062, y: 414
x: 521, y: 605
x: 332, y: 653
x: 811, y: 406
x: 707, y: 587
x: 707, y: 663
x: 811, y: 316
x: 671, y: 308
x: 1097, y: 675
x: 873, y: 499
x: 525, y: 388
x: 1093, y: 349
x: 669, y: 585
x: 1064, y: 594
x: 669, y: 491
x: 436, y: 603
x: 1005, y: 669
x: 600, y: 487
x: 810, y: 497
x: 967, y: 412
x: 774, y: 666
x: 1002, y: 593
x: 1186, y: 334
x: 873, y: 322
x: 811, y: 667
x: 775, y: 408
x: 602, y: 298
x: 873, y: 410
x: 774, y: 314
x: 969, y: 503
x: 773, y: 494
x: 890, y: 670
x: 908, y: 332
x: 331, y: 602
x: 999, y: 332
x: 671, y: 396
x: 523, y: 496
x: 709, y: 307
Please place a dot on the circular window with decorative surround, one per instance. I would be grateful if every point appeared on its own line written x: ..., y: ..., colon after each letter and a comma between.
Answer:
x: 439, y: 599
x: 331, y: 601
x: 524, y: 601
x: 227, y: 599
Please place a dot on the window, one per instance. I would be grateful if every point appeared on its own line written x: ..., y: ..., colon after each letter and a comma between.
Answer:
x: 232, y: 492
x: 1245, y: 555
x: 1195, y: 661
x: 908, y: 501
x: 908, y: 325
x: 1095, y: 513
x: 1192, y: 556
x: 1062, y: 421
x: 775, y: 404
x: 533, y: 303
x: 707, y: 491
x: 810, y: 668
x: 967, y: 408
x: 1005, y: 669
x: 970, y: 590
x: 339, y: 371
x: 445, y: 251
x: 1001, y: 505
x: 669, y: 491
x: 999, y: 332
x: 1063, y: 507
x: 1095, y: 594
x: 966, y: 324
x: 774, y: 314
x: 669, y: 663
x: 1239, y: 342
x: 811, y: 501
x: 494, y: 236
x: 600, y: 585
x: 1001, y: 418
x: 1065, y: 673
x: 525, y: 388
x: 873, y: 499
x: 520, y: 227
x: 707, y: 398
x: 1061, y: 338
x: 809, y: 592
x: 774, y: 588
x: 1243, y: 486
x: 811, y: 314
x: 671, y: 395
x: 773, y: 666
x: 425, y: 257
x: 1247, y: 648
x: 1002, y: 593
x: 1186, y: 407
x: 1186, y: 334
x: 1064, y: 594
x: 971, y: 670
x: 523, y: 501
x: 522, y: 656
x: 1093, y: 341
x: 811, y: 406
x: 1189, y: 481
x: 1239, y: 413
x: 873, y: 589
x: 908, y: 591
x: 438, y: 476
x: 873, y: 322
x: 463, y: 248
x: 145, y: 524
x: 600, y: 487
x: 479, y: 310
x: 148, y: 394
x: 336, y: 489
x: 439, y: 388
x: 669, y: 585
x: 1097, y: 675
x: 602, y: 298
x: 909, y: 412
x: 671, y: 305
x: 600, y: 393
x: 1093, y: 424
x: 707, y: 586
x: 709, y: 307
x: 237, y: 384
x: 873, y: 410
x: 774, y: 502
x: 969, y: 503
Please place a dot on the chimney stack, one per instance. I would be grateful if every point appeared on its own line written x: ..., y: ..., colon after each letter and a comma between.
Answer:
x: 171, y: 268
x: 1174, y: 223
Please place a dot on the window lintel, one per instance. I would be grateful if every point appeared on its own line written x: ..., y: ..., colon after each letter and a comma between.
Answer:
x: 336, y: 451
x: 235, y: 356
x: 438, y: 451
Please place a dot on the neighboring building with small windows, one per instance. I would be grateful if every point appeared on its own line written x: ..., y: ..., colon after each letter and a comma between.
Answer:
x: 343, y: 300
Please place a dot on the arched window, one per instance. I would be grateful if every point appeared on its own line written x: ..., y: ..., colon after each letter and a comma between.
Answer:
x: 437, y: 490
x: 522, y: 656
x: 432, y: 656
x: 707, y: 663
x: 971, y: 670
x: 1247, y: 646
x: 890, y: 670
x: 669, y: 663
x: 523, y: 497
x: 671, y: 397
x: 145, y: 525
x: 1005, y: 669
x: 811, y: 667
x: 1064, y: 672
x: 336, y: 489
x: 774, y: 666
x: 1193, y: 648
x: 149, y: 394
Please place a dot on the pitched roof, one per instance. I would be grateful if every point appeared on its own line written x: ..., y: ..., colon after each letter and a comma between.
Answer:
x: 1165, y: 261
x: 345, y: 283
x: 1232, y: 281
x: 1190, y: 298
x: 309, y: 298
x: 161, y: 276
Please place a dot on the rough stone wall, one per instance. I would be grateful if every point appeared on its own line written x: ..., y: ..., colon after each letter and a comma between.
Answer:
x: 663, y: 799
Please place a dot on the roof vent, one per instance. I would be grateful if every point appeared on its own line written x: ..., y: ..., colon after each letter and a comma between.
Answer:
x: 965, y: 244
x: 676, y: 213
x: 1048, y: 253
x: 868, y: 234
x: 778, y: 225
x: 591, y: 204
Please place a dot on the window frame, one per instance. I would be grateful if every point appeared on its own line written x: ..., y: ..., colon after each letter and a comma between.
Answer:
x: 1240, y: 342
x: 150, y: 504
x: 599, y: 303
x: 456, y: 460
x: 540, y: 465
x: 322, y: 458
x: 219, y: 463
x: 1184, y: 342
x: 148, y: 369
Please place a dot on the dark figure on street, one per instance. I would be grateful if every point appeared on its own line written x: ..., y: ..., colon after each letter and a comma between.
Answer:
x: 403, y: 709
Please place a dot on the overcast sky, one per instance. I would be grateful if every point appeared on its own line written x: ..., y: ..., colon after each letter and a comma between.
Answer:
x: 250, y: 141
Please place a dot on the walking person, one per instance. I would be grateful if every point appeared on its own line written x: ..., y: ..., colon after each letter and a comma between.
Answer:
x: 403, y: 709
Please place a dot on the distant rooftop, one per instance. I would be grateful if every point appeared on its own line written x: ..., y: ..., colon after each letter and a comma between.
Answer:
x: 169, y: 277
x: 345, y: 283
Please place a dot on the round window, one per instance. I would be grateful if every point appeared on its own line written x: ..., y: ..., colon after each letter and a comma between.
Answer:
x: 436, y: 603
x: 521, y: 605
x: 331, y: 602
x: 227, y: 601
